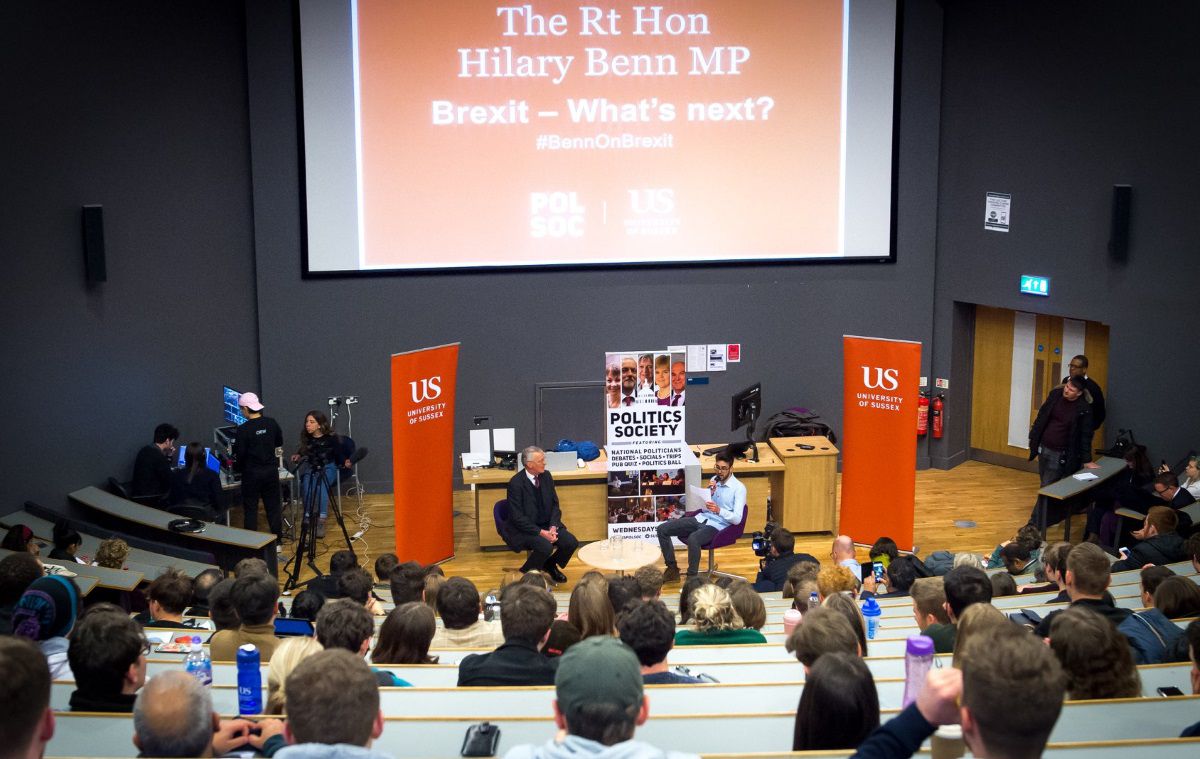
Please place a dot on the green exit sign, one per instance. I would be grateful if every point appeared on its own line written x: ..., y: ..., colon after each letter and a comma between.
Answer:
x: 1031, y: 285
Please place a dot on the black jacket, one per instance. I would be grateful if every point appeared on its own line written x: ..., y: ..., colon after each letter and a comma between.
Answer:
x: 1160, y: 549
x: 121, y: 703
x: 1098, y: 412
x: 1079, y: 438
x: 514, y: 663
x: 1105, y: 608
x: 151, y: 473
x: 524, y: 515
x: 774, y: 572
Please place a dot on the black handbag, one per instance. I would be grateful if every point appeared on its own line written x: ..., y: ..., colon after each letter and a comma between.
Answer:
x: 481, y: 740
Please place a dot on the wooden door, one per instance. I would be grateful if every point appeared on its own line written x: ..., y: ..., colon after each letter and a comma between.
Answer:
x: 1029, y: 349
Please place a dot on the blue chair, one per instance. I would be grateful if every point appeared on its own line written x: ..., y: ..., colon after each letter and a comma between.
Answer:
x: 500, y: 517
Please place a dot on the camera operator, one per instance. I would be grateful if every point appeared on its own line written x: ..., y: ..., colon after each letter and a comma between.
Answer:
x: 321, y: 452
x: 257, y: 444
x: 779, y: 559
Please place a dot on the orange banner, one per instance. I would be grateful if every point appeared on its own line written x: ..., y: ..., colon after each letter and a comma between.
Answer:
x: 423, y: 452
x: 881, y: 379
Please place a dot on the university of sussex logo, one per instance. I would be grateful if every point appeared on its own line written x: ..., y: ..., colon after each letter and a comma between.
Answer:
x: 427, y: 389
x: 885, y: 379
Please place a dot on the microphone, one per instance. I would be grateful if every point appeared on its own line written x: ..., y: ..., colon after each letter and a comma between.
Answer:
x: 359, y: 454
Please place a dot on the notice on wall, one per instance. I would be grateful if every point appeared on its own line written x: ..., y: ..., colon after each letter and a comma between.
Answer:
x: 716, y: 357
x: 733, y: 354
x: 996, y: 210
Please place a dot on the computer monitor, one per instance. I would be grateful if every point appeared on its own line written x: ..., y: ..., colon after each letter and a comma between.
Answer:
x: 233, y: 412
x: 211, y: 461
x: 745, y: 408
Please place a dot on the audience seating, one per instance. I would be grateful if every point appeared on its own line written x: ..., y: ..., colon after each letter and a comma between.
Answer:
x: 711, y: 732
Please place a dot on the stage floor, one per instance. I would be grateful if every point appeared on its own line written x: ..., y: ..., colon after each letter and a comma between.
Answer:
x: 997, y: 499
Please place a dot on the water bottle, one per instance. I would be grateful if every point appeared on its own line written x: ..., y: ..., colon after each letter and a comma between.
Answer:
x: 918, y: 658
x: 791, y: 618
x: 249, y: 680
x: 198, y: 662
x: 814, y: 601
x: 871, y: 613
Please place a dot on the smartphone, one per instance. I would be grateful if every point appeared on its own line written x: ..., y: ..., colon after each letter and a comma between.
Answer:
x: 877, y: 570
x: 1170, y: 690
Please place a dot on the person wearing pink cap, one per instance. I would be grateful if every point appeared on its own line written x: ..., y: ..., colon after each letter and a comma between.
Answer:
x: 256, y: 450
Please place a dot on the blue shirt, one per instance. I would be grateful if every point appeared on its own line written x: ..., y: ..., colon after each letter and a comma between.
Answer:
x: 730, y: 496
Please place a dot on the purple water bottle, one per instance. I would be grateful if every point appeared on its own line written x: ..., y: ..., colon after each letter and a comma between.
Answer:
x: 918, y: 658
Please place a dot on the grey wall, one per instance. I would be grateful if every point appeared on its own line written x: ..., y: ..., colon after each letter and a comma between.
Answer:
x: 162, y: 112
x: 322, y: 337
x: 141, y: 107
x: 1055, y: 103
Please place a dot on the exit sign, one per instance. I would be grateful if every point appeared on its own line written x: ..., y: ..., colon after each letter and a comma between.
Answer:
x: 1031, y: 285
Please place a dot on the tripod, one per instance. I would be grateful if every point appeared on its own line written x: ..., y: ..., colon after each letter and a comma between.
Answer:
x: 306, y: 543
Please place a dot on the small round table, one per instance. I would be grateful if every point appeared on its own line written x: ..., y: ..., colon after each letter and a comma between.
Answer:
x: 632, y: 554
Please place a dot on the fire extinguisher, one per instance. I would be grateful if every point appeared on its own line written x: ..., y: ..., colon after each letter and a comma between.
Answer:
x: 936, y: 413
x: 922, y: 413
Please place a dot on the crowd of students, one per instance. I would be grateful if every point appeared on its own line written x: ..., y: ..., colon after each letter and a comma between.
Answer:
x: 1087, y: 650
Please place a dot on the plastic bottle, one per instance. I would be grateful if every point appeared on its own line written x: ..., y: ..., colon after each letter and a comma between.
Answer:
x: 814, y: 600
x: 198, y: 663
x: 249, y: 680
x: 918, y: 658
x: 871, y: 613
x: 791, y: 618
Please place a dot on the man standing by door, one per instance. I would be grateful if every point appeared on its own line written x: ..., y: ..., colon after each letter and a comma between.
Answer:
x: 1061, y: 440
x: 1078, y: 368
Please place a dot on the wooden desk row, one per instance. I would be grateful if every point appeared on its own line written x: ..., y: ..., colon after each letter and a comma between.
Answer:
x: 801, y: 483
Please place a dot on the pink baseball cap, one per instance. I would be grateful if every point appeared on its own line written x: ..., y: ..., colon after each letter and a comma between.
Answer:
x: 250, y: 401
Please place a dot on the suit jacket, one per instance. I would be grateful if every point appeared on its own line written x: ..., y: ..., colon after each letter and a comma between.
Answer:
x: 514, y: 663
x: 523, y: 514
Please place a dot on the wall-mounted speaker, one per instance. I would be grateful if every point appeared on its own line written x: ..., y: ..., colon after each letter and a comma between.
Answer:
x: 93, y: 244
x: 1118, y: 238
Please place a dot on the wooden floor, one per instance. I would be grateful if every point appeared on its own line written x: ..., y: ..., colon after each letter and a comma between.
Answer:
x: 996, y: 499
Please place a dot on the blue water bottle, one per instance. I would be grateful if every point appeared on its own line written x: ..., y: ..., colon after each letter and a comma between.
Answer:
x: 198, y: 662
x: 249, y: 680
x: 871, y: 612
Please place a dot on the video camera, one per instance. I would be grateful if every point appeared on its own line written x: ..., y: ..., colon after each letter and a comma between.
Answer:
x: 760, y: 541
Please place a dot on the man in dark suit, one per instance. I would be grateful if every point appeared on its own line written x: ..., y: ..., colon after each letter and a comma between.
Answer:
x: 526, y: 613
x: 781, y: 559
x: 1166, y: 487
x: 535, y: 519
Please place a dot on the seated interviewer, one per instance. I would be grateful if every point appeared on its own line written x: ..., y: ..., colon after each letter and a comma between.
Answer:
x: 725, y: 507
